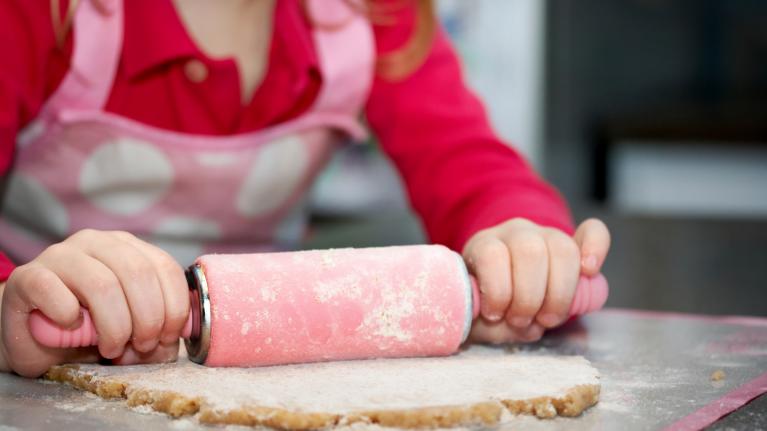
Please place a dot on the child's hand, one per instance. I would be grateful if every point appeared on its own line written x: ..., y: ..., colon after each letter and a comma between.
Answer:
x: 135, y: 292
x: 527, y: 275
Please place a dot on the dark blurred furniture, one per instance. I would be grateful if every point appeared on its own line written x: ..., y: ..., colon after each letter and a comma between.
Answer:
x: 663, y: 71
x: 686, y: 125
x: 694, y: 266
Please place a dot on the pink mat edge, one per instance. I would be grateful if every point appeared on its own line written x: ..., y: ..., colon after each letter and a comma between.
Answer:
x: 723, y: 406
x: 729, y: 402
x: 726, y: 319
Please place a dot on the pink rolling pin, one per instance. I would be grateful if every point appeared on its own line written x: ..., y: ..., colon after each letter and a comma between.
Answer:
x: 308, y: 306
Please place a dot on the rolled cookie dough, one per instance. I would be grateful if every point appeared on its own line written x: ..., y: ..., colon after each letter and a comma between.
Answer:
x: 477, y: 386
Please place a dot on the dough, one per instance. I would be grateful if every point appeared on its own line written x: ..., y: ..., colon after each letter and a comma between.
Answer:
x: 476, y: 386
x: 718, y: 375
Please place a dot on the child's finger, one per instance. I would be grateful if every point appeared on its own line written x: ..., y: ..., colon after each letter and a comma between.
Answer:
x: 42, y: 289
x: 175, y: 291
x: 27, y: 357
x: 98, y: 289
x: 529, y: 267
x: 593, y: 239
x: 484, y: 331
x: 532, y: 333
x: 564, y: 268
x: 488, y: 259
x: 139, y: 282
x: 160, y: 354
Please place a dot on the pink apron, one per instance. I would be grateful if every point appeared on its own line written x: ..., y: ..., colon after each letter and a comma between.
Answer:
x: 80, y: 167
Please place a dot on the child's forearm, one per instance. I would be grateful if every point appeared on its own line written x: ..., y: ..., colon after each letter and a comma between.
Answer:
x: 460, y: 176
x: 3, y: 364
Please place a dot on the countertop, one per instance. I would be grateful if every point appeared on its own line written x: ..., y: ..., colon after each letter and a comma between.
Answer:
x: 656, y: 372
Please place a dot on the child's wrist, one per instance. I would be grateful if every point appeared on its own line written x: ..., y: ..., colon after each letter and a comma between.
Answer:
x: 4, y: 368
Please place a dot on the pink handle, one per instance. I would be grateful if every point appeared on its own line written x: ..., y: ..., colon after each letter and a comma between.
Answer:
x: 590, y: 295
x: 49, y: 334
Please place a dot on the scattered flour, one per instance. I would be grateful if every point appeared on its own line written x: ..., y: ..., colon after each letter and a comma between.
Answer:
x: 476, y: 375
x: 245, y: 328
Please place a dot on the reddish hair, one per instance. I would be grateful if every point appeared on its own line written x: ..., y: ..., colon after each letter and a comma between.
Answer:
x: 62, y: 25
x: 405, y: 60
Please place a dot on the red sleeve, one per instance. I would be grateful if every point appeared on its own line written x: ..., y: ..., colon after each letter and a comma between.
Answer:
x: 30, y: 67
x: 459, y: 175
x: 6, y: 267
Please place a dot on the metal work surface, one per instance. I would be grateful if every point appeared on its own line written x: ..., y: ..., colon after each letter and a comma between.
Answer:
x: 656, y: 370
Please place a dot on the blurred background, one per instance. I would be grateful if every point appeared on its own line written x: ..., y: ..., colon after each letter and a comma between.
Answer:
x: 650, y: 114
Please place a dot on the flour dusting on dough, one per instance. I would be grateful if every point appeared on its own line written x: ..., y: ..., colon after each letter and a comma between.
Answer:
x: 475, y: 379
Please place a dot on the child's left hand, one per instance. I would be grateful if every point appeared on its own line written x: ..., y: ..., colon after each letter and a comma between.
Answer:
x: 527, y: 275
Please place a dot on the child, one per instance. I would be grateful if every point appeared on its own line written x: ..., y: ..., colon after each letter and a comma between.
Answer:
x: 197, y: 125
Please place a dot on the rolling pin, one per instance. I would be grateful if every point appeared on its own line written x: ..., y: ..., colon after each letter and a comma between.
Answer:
x: 318, y: 305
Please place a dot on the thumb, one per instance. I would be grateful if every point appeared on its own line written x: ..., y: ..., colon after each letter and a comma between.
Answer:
x: 593, y: 240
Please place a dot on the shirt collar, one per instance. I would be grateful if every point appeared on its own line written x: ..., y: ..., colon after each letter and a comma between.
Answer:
x: 155, y: 36
x: 294, y: 35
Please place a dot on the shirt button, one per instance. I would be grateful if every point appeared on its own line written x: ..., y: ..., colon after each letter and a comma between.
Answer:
x: 196, y: 71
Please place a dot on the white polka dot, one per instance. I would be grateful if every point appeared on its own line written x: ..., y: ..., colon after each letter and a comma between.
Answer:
x: 188, y: 228
x: 126, y: 176
x: 29, y: 202
x: 30, y: 133
x: 216, y: 159
x: 276, y: 173
x: 290, y: 231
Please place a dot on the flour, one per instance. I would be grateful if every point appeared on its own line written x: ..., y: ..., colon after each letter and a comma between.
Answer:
x: 90, y: 402
x: 185, y: 424
x: 477, y: 375
x: 245, y: 328
x: 74, y: 407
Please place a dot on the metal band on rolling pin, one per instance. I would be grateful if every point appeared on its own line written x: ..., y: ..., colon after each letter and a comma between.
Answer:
x: 198, y: 342
x: 590, y: 295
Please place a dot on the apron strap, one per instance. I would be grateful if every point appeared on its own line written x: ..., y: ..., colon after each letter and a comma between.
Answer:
x: 343, y: 39
x: 98, y: 38
x: 346, y: 50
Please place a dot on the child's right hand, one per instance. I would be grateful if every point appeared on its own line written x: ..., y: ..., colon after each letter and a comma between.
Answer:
x: 136, y: 293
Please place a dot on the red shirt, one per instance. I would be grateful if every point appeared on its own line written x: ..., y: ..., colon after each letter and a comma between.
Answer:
x: 460, y: 177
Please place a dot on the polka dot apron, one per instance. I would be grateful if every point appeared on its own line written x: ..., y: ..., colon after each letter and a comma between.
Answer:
x: 79, y: 167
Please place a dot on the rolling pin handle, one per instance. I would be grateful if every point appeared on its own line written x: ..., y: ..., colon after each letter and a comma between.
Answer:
x: 46, y: 332
x: 590, y: 295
